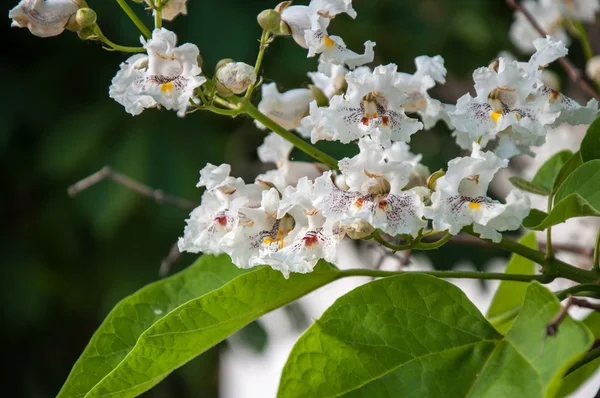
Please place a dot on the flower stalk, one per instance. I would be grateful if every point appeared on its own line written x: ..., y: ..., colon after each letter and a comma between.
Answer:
x: 134, y: 18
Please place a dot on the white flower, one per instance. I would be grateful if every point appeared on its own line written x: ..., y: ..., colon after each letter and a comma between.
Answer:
x: 276, y: 149
x: 173, y: 8
x: 237, y: 76
x: 310, y: 240
x: 550, y: 18
x: 375, y: 194
x: 167, y: 76
x: 43, y: 18
x: 330, y: 78
x: 460, y: 198
x: 513, y: 104
x: 373, y: 104
x: 308, y: 25
x: 583, y: 10
x: 217, y: 214
x: 429, y: 71
x: 286, y: 109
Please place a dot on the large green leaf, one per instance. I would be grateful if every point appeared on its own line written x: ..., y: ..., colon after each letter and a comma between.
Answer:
x: 418, y: 336
x: 546, y: 175
x: 570, y: 166
x: 578, y: 196
x: 199, y: 324
x: 574, y: 380
x: 119, y: 332
x: 509, y: 297
x: 590, y: 146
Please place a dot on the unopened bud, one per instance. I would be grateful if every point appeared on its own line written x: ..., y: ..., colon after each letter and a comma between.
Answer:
x: 86, y: 17
x: 236, y: 76
x: 283, y: 30
x: 222, y: 63
x: 80, y: 3
x: 320, y: 96
x: 269, y: 19
x: 282, y: 6
x: 87, y: 34
x: 433, y: 178
x: 592, y: 68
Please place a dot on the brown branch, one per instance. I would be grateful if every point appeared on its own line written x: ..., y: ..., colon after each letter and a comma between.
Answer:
x: 169, y: 261
x: 144, y: 190
x: 470, y: 240
x: 552, y: 328
x: 572, y: 71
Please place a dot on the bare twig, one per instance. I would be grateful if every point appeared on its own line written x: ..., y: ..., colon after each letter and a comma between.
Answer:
x: 552, y: 327
x: 472, y: 241
x: 144, y: 190
x: 169, y: 261
x: 572, y: 71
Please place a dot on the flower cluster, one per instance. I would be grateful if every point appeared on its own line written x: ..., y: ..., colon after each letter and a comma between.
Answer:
x: 553, y: 16
x: 298, y: 212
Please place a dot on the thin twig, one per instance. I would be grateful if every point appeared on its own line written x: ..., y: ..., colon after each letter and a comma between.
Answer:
x: 472, y: 241
x: 572, y: 71
x: 144, y: 190
x: 552, y: 328
x: 168, y: 262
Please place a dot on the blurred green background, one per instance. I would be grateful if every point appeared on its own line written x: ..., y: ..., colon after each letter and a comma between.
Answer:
x: 66, y: 262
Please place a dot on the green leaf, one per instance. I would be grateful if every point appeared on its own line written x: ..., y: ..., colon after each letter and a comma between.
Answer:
x: 578, y: 196
x: 199, y: 324
x: 528, y: 186
x: 535, y: 218
x: 546, y: 175
x: 508, y: 300
x: 570, y: 166
x: 418, y: 336
x: 119, y: 332
x: 590, y: 146
x: 574, y: 380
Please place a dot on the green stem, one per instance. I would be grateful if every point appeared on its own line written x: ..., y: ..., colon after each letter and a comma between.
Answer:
x: 158, y: 14
x: 253, y: 112
x: 444, y: 274
x: 589, y: 357
x: 574, y: 290
x: 596, y: 261
x: 560, y: 268
x: 390, y: 246
x: 433, y: 245
x: 264, y: 43
x: 145, y: 31
x: 115, y: 46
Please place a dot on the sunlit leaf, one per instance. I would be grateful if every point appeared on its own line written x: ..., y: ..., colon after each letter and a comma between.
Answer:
x: 418, y: 336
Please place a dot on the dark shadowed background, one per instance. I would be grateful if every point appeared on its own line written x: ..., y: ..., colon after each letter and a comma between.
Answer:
x: 66, y: 262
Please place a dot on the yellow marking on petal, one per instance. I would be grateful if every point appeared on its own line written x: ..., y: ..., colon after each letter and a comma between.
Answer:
x: 167, y: 87
x: 474, y: 205
x: 328, y: 42
x: 496, y: 116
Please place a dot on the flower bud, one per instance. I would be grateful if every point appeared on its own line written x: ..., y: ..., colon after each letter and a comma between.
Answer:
x: 222, y: 63
x: 283, y: 30
x: 592, y: 68
x: 87, y: 34
x: 269, y: 19
x: 85, y: 17
x: 236, y: 76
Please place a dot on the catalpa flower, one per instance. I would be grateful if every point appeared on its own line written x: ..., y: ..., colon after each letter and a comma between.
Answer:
x: 548, y: 16
x: 217, y: 214
x: 277, y: 150
x: 173, y: 8
x: 429, y: 71
x: 308, y: 26
x: 513, y: 104
x: 460, y: 198
x: 373, y: 104
x: 167, y: 76
x: 43, y: 18
x: 310, y: 240
x: 375, y: 194
x: 286, y: 109
x: 330, y: 78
